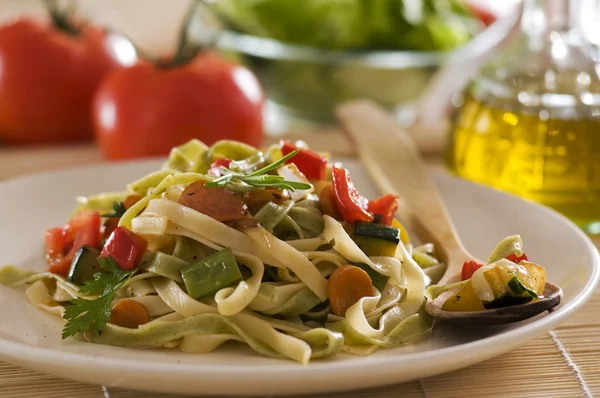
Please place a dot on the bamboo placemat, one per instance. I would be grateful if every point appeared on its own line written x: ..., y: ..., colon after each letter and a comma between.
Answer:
x: 562, y: 363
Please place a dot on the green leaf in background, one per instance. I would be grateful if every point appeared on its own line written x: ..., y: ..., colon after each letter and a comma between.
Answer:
x: 353, y: 24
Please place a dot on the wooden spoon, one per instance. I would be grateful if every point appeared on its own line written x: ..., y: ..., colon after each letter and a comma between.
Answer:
x: 393, y: 161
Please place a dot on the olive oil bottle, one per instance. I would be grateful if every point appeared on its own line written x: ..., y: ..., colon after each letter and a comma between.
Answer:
x: 529, y: 123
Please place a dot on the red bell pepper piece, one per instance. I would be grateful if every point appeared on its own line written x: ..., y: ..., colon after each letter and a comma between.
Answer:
x: 385, y: 207
x: 352, y: 206
x: 517, y: 259
x: 215, y: 167
x: 468, y: 269
x: 125, y: 247
x: 311, y: 164
x: 63, y: 243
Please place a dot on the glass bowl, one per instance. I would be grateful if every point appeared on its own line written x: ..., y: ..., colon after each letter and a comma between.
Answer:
x: 307, y: 82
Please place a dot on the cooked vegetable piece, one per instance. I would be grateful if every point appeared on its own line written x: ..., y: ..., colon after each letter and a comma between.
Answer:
x: 125, y: 247
x: 537, y: 276
x: 131, y: 200
x: 517, y: 259
x: 465, y: 300
x: 164, y: 264
x: 507, y: 246
x: 424, y: 260
x: 257, y: 199
x: 211, y: 274
x: 378, y: 280
x: 110, y: 225
x: 517, y: 294
x: 128, y: 313
x: 377, y: 231
x: 63, y: 243
x: 327, y: 201
x: 84, y: 266
x: 346, y: 286
x: 119, y: 208
x: 188, y: 249
x: 375, y: 247
x: 351, y: 205
x: 219, y: 203
x: 310, y: 220
x: 468, y: 269
x: 311, y: 164
x: 271, y: 214
x: 215, y: 167
x: 386, y: 207
x: 404, y: 237
x: 291, y: 172
x: 376, y: 239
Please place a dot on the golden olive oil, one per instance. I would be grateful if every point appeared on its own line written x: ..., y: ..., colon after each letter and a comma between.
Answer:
x: 531, y: 153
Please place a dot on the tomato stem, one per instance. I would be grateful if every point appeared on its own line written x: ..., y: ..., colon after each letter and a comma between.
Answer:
x: 187, y: 48
x: 61, y: 19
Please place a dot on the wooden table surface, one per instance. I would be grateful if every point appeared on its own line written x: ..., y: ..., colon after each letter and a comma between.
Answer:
x: 562, y: 363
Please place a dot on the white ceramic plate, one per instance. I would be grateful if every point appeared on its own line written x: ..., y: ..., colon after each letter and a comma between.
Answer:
x: 31, y: 338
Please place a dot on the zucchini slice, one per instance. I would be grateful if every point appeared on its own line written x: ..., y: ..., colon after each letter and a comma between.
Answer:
x: 84, y: 266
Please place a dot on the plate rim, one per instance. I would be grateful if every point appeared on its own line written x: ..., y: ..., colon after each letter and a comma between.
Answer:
x: 503, y: 342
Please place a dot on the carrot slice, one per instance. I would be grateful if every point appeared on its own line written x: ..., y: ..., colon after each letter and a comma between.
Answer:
x: 219, y: 203
x: 346, y: 286
x: 129, y: 314
x: 131, y: 200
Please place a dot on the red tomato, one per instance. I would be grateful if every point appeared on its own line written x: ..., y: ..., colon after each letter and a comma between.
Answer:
x: 385, y: 207
x: 311, y: 164
x: 48, y: 79
x: 468, y: 269
x: 517, y: 259
x: 352, y: 206
x: 63, y: 243
x: 145, y: 110
x: 125, y: 247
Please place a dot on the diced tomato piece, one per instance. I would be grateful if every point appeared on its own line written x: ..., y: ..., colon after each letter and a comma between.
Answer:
x: 58, y: 243
x: 215, y: 167
x: 219, y: 203
x: 63, y: 243
x: 517, y: 259
x: 468, y: 269
x: 125, y: 247
x: 352, y: 206
x: 386, y: 207
x: 311, y: 164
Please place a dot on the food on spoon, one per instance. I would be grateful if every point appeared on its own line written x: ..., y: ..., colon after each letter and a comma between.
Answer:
x: 504, y: 281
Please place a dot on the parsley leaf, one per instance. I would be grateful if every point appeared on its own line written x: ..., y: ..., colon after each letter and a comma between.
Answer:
x: 83, y: 314
x: 118, y: 210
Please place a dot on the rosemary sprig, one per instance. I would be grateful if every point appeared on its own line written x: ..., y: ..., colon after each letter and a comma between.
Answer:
x: 259, y: 178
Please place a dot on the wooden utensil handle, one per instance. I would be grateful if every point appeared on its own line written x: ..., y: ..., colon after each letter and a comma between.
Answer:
x: 399, y: 169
